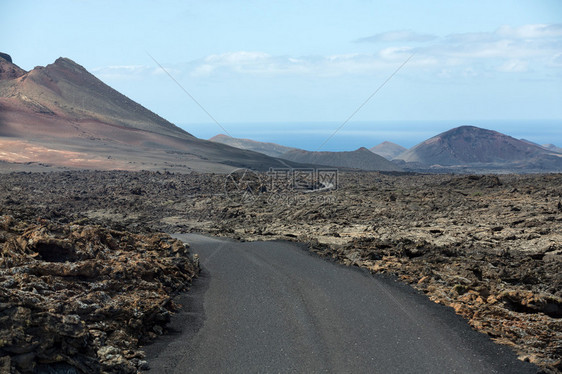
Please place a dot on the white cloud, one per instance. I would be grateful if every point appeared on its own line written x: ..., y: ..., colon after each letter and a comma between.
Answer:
x: 131, y: 68
x: 508, y: 49
x: 528, y: 48
x: 120, y: 69
x: 396, y: 53
x: 343, y: 57
x: 514, y: 66
x: 248, y: 62
x: 531, y: 31
x: 240, y: 57
x: 121, y: 72
x: 256, y: 63
x: 397, y: 36
x: 557, y: 60
x: 522, y: 50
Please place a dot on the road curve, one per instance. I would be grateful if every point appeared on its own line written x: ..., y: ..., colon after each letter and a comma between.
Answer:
x: 270, y: 307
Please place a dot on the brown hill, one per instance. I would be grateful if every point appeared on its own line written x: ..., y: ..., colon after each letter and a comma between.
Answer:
x: 63, y: 115
x: 361, y: 158
x: 67, y: 90
x: 469, y: 145
x: 270, y: 149
x: 388, y: 150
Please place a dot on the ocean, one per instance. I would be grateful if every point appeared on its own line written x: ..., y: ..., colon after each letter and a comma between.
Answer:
x: 325, y: 136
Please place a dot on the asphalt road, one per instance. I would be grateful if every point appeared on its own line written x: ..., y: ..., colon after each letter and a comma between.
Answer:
x: 271, y: 307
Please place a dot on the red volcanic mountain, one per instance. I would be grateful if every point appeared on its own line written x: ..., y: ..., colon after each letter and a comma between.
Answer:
x: 62, y: 115
x: 469, y: 145
x: 66, y: 90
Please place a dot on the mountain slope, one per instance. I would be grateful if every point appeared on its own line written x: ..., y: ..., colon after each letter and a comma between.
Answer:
x: 63, y: 115
x: 67, y: 90
x: 548, y: 147
x: 552, y: 147
x: 472, y: 145
x: 361, y: 158
x: 270, y: 149
x: 388, y: 150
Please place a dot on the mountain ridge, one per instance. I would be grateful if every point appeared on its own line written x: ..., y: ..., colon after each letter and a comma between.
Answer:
x: 64, y: 116
x: 361, y: 158
x: 552, y: 147
x: 270, y: 149
x: 67, y: 89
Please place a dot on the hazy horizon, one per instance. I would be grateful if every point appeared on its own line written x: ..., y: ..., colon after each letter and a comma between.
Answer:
x: 356, y: 134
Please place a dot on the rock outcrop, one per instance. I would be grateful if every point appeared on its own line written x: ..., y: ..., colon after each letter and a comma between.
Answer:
x: 82, y: 299
x: 9, y: 70
x: 6, y: 57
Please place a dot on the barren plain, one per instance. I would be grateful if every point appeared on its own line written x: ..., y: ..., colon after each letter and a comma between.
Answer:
x: 488, y: 246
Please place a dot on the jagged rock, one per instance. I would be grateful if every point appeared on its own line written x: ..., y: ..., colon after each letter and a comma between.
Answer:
x: 530, y: 302
x: 84, y: 297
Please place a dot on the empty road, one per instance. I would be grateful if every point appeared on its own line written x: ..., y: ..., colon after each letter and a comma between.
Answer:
x: 270, y: 307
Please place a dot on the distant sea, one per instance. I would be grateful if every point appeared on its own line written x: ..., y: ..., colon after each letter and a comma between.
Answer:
x: 356, y: 134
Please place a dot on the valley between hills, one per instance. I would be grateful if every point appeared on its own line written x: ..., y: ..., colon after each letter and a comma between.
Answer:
x: 92, y: 184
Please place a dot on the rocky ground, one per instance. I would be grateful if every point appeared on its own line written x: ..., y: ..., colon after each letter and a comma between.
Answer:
x: 83, y: 299
x: 488, y: 246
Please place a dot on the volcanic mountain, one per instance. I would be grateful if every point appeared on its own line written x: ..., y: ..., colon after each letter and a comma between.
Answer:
x: 62, y: 115
x: 270, y: 149
x: 388, y: 150
x: 469, y: 145
x: 361, y: 158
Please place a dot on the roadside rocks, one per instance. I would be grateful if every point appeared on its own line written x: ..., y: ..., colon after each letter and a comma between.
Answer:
x: 82, y: 299
x: 490, y: 247
x: 514, y: 298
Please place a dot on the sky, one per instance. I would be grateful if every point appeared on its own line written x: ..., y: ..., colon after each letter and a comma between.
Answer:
x: 282, y: 66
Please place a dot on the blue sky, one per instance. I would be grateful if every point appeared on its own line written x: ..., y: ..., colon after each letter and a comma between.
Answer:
x: 275, y: 62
